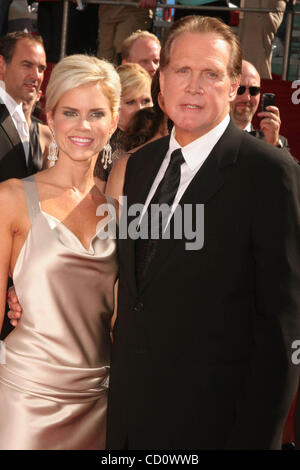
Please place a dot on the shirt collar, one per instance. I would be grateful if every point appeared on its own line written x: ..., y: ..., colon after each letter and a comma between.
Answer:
x: 248, y: 128
x: 13, y: 107
x: 198, y: 150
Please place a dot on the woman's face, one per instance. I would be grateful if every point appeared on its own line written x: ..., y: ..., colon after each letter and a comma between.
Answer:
x: 131, y: 103
x: 82, y: 122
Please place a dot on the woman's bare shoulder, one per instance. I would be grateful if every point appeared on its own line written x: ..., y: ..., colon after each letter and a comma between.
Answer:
x: 12, y: 198
x: 11, y: 189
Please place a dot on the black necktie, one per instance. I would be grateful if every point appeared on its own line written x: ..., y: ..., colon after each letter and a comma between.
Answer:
x: 165, y: 193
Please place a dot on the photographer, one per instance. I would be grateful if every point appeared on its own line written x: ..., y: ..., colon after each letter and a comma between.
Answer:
x: 245, y: 105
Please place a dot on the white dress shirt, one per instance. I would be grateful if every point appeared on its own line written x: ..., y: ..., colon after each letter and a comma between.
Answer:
x: 194, y: 155
x: 16, y: 112
x: 248, y: 128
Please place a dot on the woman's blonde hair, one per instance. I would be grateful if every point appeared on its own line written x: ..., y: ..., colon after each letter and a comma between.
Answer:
x: 79, y: 69
x: 133, y: 79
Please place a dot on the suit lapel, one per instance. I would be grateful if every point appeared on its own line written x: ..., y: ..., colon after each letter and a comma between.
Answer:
x: 206, y: 183
x: 9, y: 128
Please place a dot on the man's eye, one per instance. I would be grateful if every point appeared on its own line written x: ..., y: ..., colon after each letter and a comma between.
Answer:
x: 211, y: 74
x: 146, y: 101
x: 130, y: 103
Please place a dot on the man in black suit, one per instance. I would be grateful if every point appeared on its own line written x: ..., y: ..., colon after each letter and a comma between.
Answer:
x: 245, y: 105
x: 22, y: 66
x: 203, y: 338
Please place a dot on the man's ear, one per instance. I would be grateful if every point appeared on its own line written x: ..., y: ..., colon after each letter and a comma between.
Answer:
x: 39, y: 95
x: 2, y: 65
x: 233, y: 88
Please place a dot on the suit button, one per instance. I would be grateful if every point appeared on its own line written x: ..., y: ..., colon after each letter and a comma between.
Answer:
x: 138, y: 307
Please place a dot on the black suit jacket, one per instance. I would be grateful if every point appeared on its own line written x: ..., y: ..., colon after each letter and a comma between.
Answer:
x: 202, y: 354
x: 260, y: 135
x: 12, y: 155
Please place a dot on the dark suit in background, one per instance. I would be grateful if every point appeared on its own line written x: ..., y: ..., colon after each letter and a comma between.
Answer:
x: 202, y: 353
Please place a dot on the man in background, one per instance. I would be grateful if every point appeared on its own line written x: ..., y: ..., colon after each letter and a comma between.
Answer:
x: 117, y: 22
x: 257, y: 32
x: 245, y: 105
x: 142, y: 48
x: 4, y: 7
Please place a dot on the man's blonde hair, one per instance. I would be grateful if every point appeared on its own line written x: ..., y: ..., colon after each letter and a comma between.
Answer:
x: 128, y: 42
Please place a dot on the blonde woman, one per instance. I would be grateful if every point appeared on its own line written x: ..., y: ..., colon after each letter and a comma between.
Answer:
x: 136, y: 95
x: 55, y: 365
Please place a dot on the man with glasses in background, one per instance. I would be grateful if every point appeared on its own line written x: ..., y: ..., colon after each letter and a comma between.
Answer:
x: 245, y: 105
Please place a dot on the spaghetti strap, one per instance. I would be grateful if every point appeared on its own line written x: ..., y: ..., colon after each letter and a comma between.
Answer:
x: 32, y: 197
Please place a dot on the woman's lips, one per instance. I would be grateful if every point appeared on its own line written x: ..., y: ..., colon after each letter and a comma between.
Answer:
x: 81, y: 141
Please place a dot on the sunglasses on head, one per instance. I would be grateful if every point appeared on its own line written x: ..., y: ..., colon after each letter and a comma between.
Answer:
x: 253, y: 90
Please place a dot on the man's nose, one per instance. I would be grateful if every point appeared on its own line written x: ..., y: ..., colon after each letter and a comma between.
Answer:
x: 152, y: 68
x: 36, y: 75
x: 195, y: 83
x: 247, y: 95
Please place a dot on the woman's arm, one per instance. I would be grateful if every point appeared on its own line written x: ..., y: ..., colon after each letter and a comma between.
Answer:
x: 7, y: 214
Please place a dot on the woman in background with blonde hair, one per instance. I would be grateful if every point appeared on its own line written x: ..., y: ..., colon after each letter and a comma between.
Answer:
x: 135, y: 95
x: 59, y: 252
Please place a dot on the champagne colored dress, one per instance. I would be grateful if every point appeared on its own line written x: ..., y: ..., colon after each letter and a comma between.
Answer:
x: 53, y: 384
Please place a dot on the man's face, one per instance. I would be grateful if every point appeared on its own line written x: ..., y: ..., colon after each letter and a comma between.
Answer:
x: 244, y: 106
x: 145, y: 52
x: 24, y: 74
x: 196, y: 86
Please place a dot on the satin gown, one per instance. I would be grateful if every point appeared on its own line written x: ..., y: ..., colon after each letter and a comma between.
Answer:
x: 53, y: 384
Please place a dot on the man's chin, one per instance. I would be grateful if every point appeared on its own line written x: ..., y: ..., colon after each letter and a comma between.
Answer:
x: 29, y: 95
x: 245, y: 115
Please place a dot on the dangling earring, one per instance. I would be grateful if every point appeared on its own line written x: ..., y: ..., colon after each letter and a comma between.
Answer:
x: 53, y: 151
x: 106, y: 156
